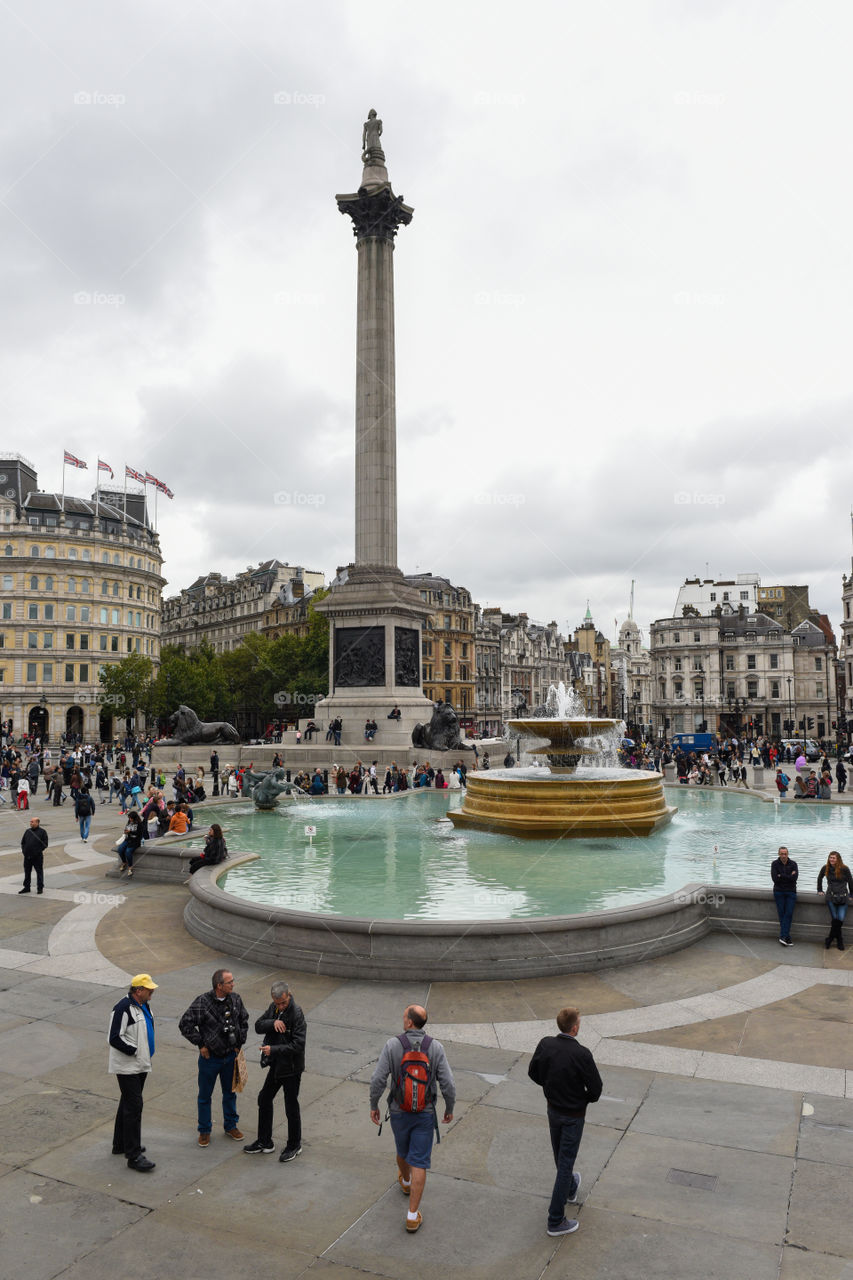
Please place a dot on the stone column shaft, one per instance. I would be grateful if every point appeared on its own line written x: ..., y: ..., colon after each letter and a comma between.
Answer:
x: 375, y: 411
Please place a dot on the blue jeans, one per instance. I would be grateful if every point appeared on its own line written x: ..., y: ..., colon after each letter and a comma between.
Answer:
x: 85, y: 824
x: 785, y: 903
x: 838, y: 910
x: 566, y: 1134
x: 209, y: 1071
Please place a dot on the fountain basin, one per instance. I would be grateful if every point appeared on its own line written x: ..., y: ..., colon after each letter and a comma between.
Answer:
x: 534, y: 804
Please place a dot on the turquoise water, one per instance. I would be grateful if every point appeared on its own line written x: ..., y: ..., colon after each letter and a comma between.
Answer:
x: 402, y: 859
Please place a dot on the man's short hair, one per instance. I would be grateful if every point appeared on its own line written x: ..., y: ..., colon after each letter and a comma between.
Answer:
x: 568, y: 1018
x: 279, y: 989
x: 419, y: 1019
x: 218, y: 978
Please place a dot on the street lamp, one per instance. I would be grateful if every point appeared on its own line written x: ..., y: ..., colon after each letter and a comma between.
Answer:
x: 790, y: 708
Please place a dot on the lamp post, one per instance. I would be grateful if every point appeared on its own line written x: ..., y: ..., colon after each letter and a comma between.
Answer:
x: 43, y: 705
x: 790, y: 708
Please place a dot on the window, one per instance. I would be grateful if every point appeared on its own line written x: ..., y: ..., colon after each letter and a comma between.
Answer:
x: 7, y: 581
x: 35, y: 552
x: 47, y: 640
x: 48, y: 583
x: 750, y: 662
x: 752, y: 688
x: 730, y: 690
x: 31, y: 672
x: 818, y: 664
x: 774, y: 688
x: 104, y: 615
x: 7, y: 550
x: 69, y: 673
x: 129, y: 618
x: 32, y: 611
x: 72, y: 585
x: 696, y: 637
x: 105, y: 557
x: 115, y: 588
x: 447, y: 621
x: 71, y: 613
x: 69, y: 640
x: 774, y: 662
x: 447, y: 674
x: 105, y: 587
x: 116, y: 558
x: 730, y: 662
x: 676, y: 637
x: 114, y: 644
x: 50, y: 553
x: 819, y: 690
x: 102, y: 643
x: 87, y: 555
x: 86, y: 586
x: 84, y: 673
x: 32, y: 640
x: 713, y: 597
x: 72, y: 553
x: 47, y: 672
x: 114, y: 617
x: 84, y: 642
x: 7, y: 611
x: 697, y: 664
x: 744, y: 595
x: 725, y: 595
x: 34, y: 583
x: 139, y: 619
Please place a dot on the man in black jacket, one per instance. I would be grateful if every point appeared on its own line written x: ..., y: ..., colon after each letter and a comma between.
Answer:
x: 284, y: 1030
x: 217, y: 1023
x: 33, y: 845
x: 570, y: 1080
x: 784, y: 873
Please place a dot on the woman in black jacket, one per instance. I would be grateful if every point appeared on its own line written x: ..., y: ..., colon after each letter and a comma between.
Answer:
x: 130, y: 844
x: 214, y: 850
x: 839, y: 886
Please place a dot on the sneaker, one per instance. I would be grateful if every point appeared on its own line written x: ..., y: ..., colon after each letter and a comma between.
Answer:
x: 412, y: 1224
x: 204, y: 1139
x: 566, y: 1227
x: 141, y: 1164
x: 788, y: 942
x: 406, y: 1190
x: 782, y: 942
x: 236, y: 1134
x: 259, y: 1148
x: 573, y: 1198
x: 289, y: 1153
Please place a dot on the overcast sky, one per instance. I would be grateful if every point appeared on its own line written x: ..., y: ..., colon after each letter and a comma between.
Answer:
x: 623, y: 304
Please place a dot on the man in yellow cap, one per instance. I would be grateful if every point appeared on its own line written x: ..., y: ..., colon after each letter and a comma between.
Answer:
x: 131, y: 1040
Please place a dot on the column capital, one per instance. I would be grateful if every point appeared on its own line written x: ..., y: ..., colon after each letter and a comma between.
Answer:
x: 375, y: 213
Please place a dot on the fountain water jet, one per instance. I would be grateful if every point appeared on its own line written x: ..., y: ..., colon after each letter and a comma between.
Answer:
x: 566, y: 802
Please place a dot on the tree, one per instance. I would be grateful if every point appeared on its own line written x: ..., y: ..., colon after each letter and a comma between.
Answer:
x: 127, y: 684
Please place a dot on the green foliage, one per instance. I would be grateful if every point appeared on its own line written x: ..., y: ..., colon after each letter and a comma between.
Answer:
x: 127, y: 684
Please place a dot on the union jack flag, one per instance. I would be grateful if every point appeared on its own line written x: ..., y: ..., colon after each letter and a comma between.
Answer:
x: 134, y: 475
x: 105, y: 466
x: 149, y: 479
x: 164, y: 488
x: 75, y: 462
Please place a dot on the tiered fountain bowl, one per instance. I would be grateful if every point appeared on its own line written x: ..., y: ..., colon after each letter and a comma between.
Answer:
x: 563, y: 803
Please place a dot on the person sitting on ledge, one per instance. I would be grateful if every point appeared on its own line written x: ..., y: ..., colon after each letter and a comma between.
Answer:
x: 317, y: 787
x: 180, y: 822
x: 370, y: 730
x: 310, y: 730
x: 395, y: 713
x: 215, y: 850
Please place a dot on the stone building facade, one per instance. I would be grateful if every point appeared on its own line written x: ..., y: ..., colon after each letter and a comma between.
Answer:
x: 448, y: 646
x: 222, y: 611
x: 631, y: 676
x: 80, y: 589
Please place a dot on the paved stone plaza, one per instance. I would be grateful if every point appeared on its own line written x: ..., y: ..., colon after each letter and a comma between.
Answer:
x: 722, y: 1146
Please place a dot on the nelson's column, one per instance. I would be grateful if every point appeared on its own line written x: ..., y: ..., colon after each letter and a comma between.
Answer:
x: 375, y: 617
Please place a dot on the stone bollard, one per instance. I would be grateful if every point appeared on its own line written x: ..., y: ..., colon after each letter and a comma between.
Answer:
x: 758, y: 776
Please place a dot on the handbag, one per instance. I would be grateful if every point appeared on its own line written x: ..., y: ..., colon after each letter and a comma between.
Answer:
x: 241, y: 1072
x: 837, y: 893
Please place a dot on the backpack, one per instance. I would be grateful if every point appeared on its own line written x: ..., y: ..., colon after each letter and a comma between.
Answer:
x: 413, y: 1078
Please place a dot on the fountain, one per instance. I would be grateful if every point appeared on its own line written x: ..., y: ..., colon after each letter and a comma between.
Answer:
x: 569, y: 800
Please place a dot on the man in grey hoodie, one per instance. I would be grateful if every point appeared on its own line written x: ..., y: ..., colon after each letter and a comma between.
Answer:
x: 413, y: 1129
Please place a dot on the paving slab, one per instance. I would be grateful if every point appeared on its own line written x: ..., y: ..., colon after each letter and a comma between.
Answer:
x: 589, y: 992
x: 38, y: 1122
x: 483, y: 1233
x: 826, y: 1131
x: 341, y: 1051
x: 309, y: 1202
x: 52, y: 1224
x: 37, y: 1048
x: 806, y: 1264
x: 748, y: 1200
x: 376, y: 1006
x: 808, y: 1041
x: 725, y: 1115
x: 699, y: 969
x: 819, y: 1216
x: 153, y: 1247
x: 621, y: 1246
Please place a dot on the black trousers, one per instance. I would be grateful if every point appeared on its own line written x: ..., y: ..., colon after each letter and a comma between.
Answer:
x: 34, y: 862
x: 127, y: 1132
x: 271, y: 1086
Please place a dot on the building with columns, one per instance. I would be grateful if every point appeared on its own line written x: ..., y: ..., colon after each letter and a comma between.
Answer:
x: 222, y: 611
x: 80, y: 589
x: 631, y: 675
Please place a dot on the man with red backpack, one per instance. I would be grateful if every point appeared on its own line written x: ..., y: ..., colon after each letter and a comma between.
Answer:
x: 417, y: 1066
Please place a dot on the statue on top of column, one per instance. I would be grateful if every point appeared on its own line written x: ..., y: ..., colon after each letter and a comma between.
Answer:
x: 371, y: 147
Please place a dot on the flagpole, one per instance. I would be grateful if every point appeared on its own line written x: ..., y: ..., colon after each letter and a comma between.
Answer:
x: 97, y: 492
x: 156, y: 491
x: 63, y: 484
x: 125, y: 493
